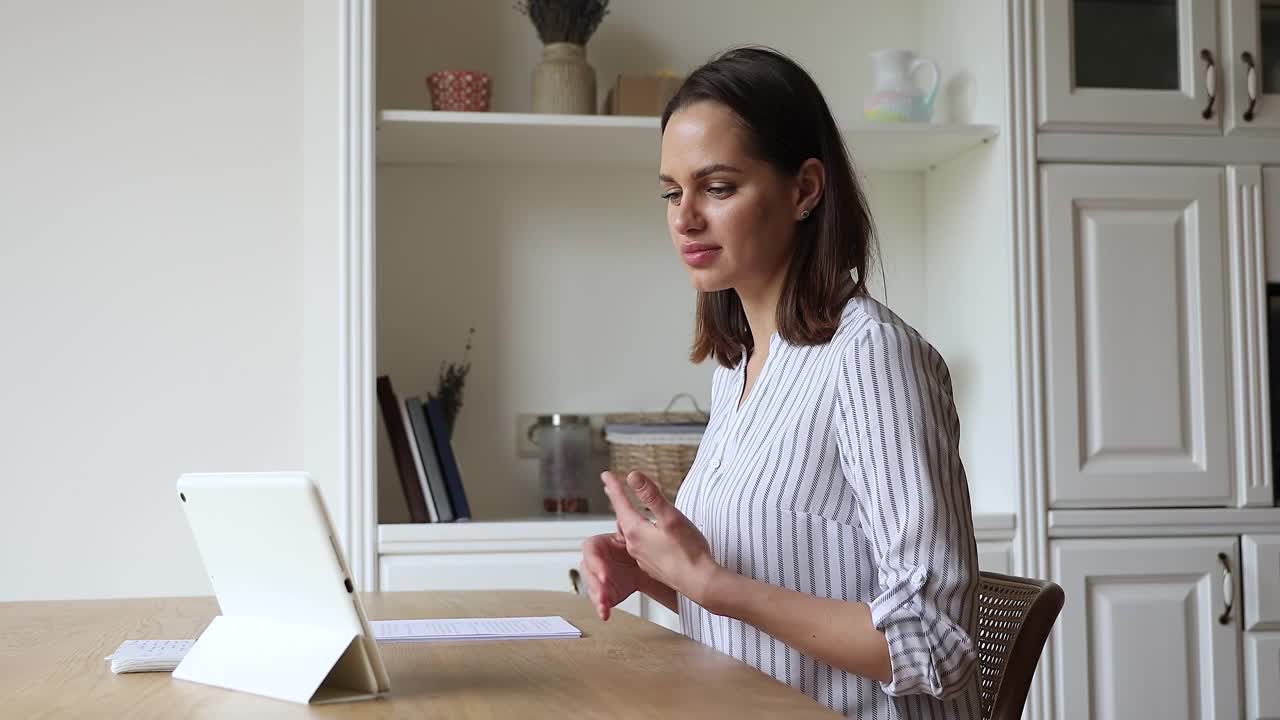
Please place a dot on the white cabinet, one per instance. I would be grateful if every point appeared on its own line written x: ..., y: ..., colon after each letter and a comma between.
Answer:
x: 1124, y: 64
x: 544, y: 554
x: 1271, y: 221
x: 530, y: 555
x: 1261, y: 581
x: 1159, y: 66
x: 995, y: 556
x: 1135, y: 351
x: 1250, y: 190
x: 1262, y: 673
x: 1145, y: 631
x: 1251, y: 65
x: 1260, y: 571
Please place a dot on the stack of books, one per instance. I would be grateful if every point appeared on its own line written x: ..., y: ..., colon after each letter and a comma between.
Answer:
x: 424, y: 456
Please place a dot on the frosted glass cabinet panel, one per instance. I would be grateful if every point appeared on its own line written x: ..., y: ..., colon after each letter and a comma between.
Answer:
x: 1125, y: 44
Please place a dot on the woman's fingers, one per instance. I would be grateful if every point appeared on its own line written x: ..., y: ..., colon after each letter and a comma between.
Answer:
x: 628, y: 518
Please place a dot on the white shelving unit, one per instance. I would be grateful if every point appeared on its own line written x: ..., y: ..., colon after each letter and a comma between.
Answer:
x: 487, y: 139
x: 547, y: 234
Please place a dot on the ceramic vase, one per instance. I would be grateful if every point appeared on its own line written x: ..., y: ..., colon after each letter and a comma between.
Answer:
x: 563, y: 82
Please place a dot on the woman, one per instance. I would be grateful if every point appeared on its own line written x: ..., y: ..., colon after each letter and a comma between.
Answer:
x: 824, y: 533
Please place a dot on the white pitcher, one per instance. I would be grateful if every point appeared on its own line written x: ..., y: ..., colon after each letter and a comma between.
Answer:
x: 895, y: 96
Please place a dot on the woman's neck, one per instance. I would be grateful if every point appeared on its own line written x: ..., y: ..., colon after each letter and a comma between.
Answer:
x: 760, y: 304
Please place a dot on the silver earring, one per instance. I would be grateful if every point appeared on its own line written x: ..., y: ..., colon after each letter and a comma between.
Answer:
x: 804, y: 215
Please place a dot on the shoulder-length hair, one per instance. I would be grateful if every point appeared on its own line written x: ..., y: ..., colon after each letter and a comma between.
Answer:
x: 785, y: 120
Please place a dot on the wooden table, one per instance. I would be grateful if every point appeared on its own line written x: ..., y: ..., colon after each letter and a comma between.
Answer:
x: 51, y: 665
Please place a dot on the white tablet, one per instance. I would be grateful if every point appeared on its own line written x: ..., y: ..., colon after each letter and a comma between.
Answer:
x: 270, y: 551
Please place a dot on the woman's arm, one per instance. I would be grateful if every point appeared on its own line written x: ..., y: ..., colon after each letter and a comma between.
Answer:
x: 898, y: 435
x: 675, y: 557
x: 836, y: 632
x: 661, y: 592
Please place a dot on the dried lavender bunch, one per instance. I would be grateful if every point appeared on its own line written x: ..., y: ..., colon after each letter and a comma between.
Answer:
x: 450, y: 383
x: 572, y: 21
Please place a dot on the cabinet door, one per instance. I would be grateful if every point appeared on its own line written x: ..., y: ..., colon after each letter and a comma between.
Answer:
x: 1133, y: 65
x: 1261, y: 581
x: 1251, y: 67
x: 1262, y: 675
x: 1140, y: 633
x: 1271, y: 222
x: 1135, y: 350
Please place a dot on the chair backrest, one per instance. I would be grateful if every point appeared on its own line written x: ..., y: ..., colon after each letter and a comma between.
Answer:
x: 1015, y: 616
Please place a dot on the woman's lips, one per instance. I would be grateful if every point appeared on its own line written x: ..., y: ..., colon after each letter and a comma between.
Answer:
x: 699, y: 255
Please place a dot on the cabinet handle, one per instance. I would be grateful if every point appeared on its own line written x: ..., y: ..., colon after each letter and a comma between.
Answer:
x: 1227, y: 588
x: 1210, y: 82
x: 1250, y: 83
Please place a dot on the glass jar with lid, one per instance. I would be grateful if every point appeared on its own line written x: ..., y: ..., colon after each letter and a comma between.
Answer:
x: 564, y: 444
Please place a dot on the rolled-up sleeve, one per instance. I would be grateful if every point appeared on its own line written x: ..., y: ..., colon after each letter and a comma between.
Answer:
x: 898, y: 434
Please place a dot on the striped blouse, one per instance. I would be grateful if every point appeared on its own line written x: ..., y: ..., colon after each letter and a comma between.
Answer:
x: 840, y: 476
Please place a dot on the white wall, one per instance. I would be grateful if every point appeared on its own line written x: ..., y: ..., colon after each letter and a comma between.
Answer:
x: 150, y: 279
x: 968, y: 245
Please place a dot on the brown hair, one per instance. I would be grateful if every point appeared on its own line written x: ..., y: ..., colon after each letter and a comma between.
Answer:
x: 785, y: 121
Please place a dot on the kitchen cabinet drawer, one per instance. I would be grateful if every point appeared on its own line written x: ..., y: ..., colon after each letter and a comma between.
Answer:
x: 995, y: 557
x: 1261, y: 581
x: 478, y: 571
x: 484, y: 571
x: 656, y: 612
x: 1262, y: 675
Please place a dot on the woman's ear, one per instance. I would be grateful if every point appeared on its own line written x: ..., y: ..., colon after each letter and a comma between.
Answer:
x: 810, y: 180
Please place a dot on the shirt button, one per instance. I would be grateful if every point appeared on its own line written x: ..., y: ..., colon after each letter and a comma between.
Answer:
x: 716, y: 465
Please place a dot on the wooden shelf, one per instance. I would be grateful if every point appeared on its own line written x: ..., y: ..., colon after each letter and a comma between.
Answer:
x: 424, y: 137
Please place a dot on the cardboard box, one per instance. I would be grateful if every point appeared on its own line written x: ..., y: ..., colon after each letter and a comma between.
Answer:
x: 641, y: 94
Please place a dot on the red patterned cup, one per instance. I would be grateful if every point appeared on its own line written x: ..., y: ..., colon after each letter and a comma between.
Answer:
x: 459, y: 90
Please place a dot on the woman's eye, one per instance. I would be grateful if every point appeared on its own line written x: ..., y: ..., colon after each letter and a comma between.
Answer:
x: 720, y: 191
x: 670, y: 195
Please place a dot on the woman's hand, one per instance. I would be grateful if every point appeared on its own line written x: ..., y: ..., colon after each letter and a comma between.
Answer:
x: 612, y: 574
x: 671, y: 550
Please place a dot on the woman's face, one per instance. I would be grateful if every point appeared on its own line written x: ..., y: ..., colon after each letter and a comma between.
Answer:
x: 732, y: 217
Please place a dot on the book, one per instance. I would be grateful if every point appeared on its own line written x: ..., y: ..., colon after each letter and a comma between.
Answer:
x: 448, y: 463
x: 437, y: 494
x: 397, y: 434
x: 420, y: 461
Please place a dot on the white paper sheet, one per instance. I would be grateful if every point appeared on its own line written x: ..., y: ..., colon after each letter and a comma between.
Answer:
x: 148, y: 655
x: 506, y: 628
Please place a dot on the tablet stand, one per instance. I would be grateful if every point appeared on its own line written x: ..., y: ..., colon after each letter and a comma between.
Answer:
x: 288, y: 661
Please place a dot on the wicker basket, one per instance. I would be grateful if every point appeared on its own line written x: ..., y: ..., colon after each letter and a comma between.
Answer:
x: 664, y: 457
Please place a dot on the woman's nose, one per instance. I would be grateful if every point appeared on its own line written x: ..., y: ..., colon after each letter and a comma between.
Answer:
x: 686, y: 219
